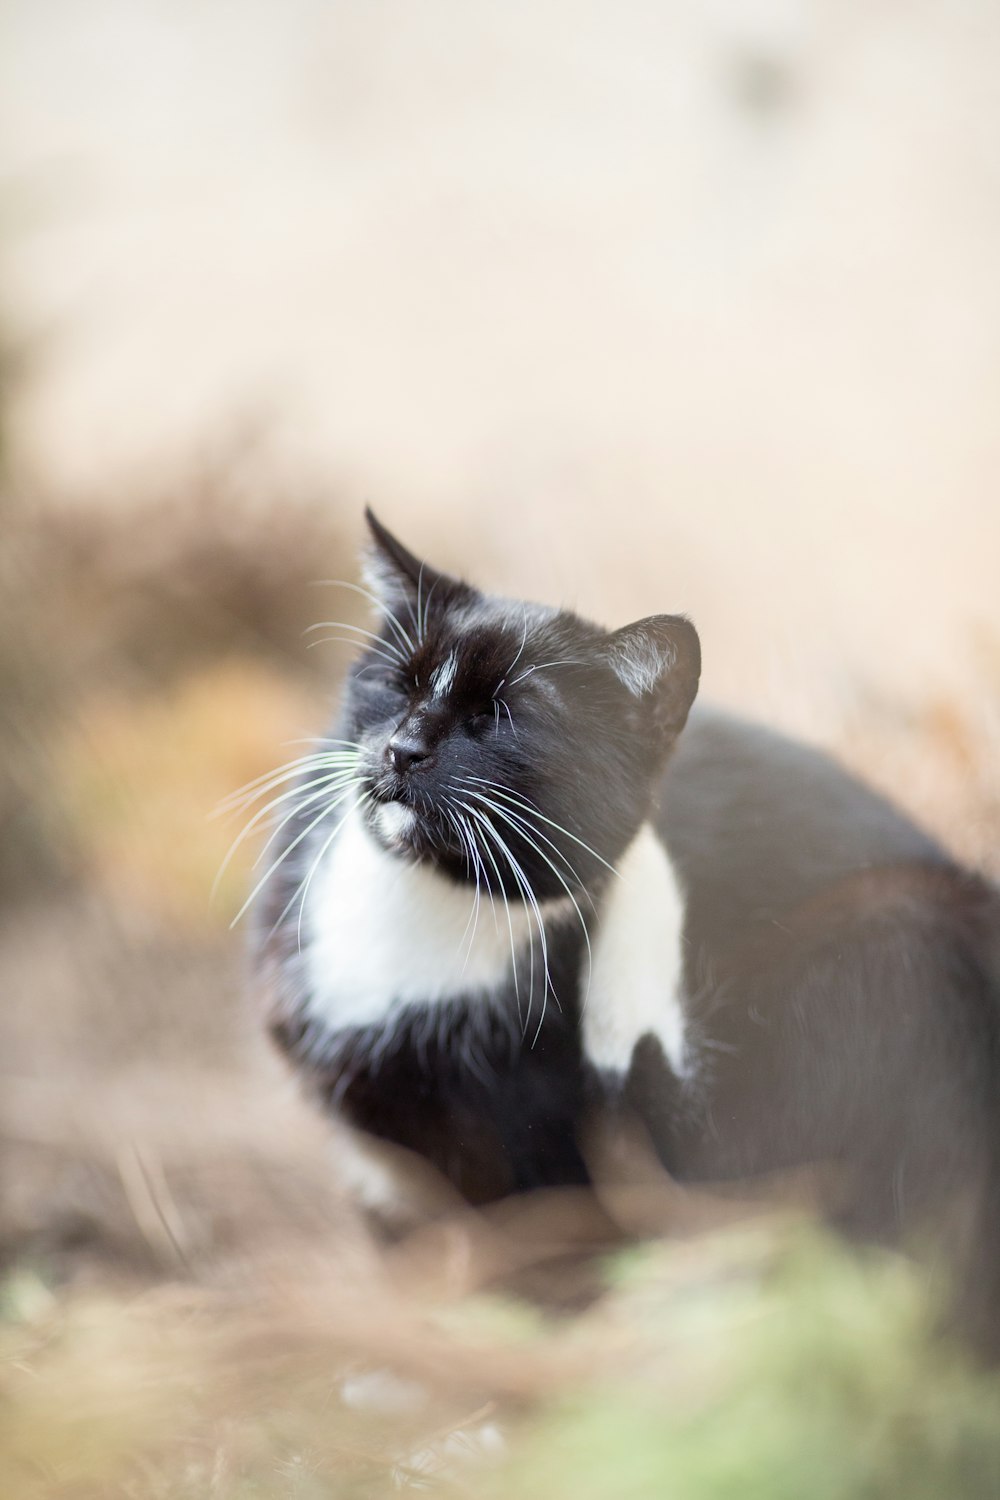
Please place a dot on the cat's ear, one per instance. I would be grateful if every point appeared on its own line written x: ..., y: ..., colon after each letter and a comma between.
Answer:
x: 397, y: 577
x: 659, y: 661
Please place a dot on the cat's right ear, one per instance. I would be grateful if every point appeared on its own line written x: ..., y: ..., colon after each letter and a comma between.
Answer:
x: 401, y: 580
x: 659, y: 660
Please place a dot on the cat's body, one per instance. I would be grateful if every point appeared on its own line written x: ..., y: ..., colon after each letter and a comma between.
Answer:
x: 736, y: 942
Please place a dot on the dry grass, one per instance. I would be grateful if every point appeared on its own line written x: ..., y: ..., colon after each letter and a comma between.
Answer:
x: 760, y: 1362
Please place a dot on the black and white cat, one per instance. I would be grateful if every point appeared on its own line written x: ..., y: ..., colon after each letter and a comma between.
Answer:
x: 511, y: 892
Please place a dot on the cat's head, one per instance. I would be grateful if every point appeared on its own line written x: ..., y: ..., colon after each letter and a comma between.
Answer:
x: 512, y: 739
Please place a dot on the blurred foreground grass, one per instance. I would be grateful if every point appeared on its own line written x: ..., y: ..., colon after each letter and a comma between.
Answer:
x: 761, y: 1362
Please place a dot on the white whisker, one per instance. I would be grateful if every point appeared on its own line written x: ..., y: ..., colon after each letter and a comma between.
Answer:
x: 370, y: 635
x: 520, y: 649
x: 340, y: 746
x: 328, y: 783
x: 503, y: 705
x: 469, y: 842
x: 427, y: 607
x: 470, y: 854
x: 541, y: 666
x: 304, y: 887
x: 388, y: 657
x: 520, y: 826
x: 528, y: 895
x: 286, y: 852
x: 290, y: 768
x: 247, y: 800
x: 380, y: 606
x: 335, y: 784
x: 481, y: 866
x: 417, y: 623
x: 520, y: 802
x: 510, y: 927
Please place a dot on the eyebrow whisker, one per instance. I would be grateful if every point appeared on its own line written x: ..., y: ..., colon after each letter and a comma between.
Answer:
x: 541, y: 666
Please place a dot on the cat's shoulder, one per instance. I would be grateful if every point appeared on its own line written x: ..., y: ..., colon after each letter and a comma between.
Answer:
x: 727, y: 765
x: 746, y: 808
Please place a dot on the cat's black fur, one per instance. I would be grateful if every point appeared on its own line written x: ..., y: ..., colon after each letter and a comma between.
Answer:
x: 841, y: 973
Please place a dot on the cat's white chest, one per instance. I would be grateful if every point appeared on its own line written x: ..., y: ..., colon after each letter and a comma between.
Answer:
x: 636, y: 985
x: 381, y: 935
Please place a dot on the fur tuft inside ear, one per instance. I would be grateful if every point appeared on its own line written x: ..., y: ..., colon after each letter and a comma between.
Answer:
x: 391, y: 561
x: 397, y: 577
x: 410, y: 592
x: 659, y: 660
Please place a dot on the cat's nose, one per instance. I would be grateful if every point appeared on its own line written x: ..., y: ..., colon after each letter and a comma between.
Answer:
x: 406, y: 751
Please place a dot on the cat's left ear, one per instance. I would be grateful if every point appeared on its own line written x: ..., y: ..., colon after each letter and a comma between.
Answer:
x: 397, y: 577
x: 659, y: 661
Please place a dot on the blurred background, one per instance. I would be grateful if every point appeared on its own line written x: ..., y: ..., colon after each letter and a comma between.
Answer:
x: 633, y: 306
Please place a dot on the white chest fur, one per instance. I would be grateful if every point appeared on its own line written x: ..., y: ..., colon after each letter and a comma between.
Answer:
x: 381, y: 935
x: 636, y: 983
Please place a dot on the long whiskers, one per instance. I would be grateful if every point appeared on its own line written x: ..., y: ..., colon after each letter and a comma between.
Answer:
x: 427, y: 606
x: 305, y: 884
x: 304, y: 794
x: 502, y: 702
x: 523, y: 829
x: 388, y: 650
x: 473, y: 866
x: 380, y: 606
x: 302, y: 889
x: 327, y: 777
x: 291, y: 847
x: 488, y: 852
x: 540, y: 666
x: 301, y: 765
x: 516, y: 800
x: 531, y: 905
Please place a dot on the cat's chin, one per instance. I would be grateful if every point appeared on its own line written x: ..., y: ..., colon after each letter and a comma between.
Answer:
x: 395, y: 827
x: 402, y: 831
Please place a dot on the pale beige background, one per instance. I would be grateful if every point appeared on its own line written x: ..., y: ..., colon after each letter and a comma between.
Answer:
x: 638, y: 305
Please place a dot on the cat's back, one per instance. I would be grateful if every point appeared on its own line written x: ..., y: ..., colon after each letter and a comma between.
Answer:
x: 756, y: 822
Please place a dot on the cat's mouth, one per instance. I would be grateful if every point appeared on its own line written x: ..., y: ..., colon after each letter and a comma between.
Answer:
x: 402, y: 823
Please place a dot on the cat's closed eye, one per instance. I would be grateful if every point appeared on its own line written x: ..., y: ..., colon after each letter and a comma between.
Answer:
x: 385, y: 680
x: 478, y: 723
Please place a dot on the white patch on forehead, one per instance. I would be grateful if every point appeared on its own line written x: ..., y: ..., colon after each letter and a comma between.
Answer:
x: 381, y: 935
x: 517, y: 620
x: 443, y: 677
x: 636, y: 984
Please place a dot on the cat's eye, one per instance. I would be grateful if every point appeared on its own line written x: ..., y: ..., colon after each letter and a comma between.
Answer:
x: 386, y: 679
x: 480, y: 722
